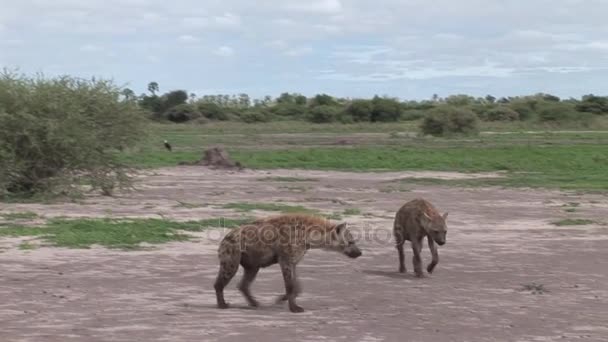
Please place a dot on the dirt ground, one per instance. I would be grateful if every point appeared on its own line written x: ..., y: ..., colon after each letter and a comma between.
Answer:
x: 498, y: 241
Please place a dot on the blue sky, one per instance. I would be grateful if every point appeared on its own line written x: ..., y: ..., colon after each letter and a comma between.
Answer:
x: 358, y: 48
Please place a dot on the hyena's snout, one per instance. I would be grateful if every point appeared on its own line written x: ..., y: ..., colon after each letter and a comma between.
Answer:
x: 352, y: 252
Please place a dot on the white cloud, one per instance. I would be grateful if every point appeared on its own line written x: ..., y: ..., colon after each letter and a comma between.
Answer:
x: 91, y: 48
x: 224, y: 51
x: 187, y: 38
x: 228, y: 21
x: 316, y: 6
x: 298, y: 51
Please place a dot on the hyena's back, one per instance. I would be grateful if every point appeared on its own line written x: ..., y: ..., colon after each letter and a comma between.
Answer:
x: 407, y: 220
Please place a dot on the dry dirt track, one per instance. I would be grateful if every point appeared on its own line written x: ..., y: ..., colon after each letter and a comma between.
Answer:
x: 497, y: 241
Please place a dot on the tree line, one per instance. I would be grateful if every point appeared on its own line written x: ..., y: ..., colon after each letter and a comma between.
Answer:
x: 181, y: 106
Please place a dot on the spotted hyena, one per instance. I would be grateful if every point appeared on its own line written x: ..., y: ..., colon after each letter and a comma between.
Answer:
x: 284, y: 240
x: 414, y: 221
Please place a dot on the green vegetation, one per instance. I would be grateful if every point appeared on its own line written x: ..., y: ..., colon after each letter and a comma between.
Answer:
x: 283, y: 208
x: 177, y: 106
x: 351, y: 211
x: 573, y: 222
x: 28, y: 215
x: 56, y: 132
x: 26, y: 246
x: 114, y: 233
x: 567, y: 167
x: 446, y: 121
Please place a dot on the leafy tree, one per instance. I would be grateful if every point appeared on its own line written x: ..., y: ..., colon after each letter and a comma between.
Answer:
x: 56, y: 132
x: 449, y: 120
x: 323, y: 100
x: 324, y: 114
x: 360, y: 110
x: 153, y: 88
x: 593, y: 104
x: 174, y: 98
x: 128, y: 94
x: 385, y: 109
x: 182, y: 113
x: 300, y: 100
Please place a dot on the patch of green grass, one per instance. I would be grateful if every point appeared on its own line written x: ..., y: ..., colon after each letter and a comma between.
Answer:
x: 573, y: 222
x: 114, y: 233
x: 283, y: 208
x: 26, y: 246
x: 570, y: 210
x: 566, y: 167
x: 287, y: 179
x: 28, y: 215
x: 351, y: 211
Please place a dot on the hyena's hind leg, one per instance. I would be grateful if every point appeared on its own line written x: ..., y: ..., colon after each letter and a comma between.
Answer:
x: 248, y: 278
x: 400, y: 240
x: 229, y: 265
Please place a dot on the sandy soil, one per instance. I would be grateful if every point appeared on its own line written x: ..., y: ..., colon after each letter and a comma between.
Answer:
x: 498, y: 241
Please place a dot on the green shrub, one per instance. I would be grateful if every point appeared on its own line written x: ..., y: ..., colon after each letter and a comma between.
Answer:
x: 55, y: 132
x: 501, y: 113
x: 525, y: 107
x: 385, y: 109
x: 447, y: 120
x: 563, y: 113
x: 323, y: 114
x: 211, y: 111
x: 360, y: 110
x: 412, y: 114
x: 182, y: 113
x: 254, y: 115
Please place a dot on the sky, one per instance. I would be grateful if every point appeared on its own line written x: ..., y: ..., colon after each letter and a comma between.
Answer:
x: 410, y: 49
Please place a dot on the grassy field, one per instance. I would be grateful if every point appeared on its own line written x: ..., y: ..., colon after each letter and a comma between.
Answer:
x: 553, y: 159
x: 110, y: 233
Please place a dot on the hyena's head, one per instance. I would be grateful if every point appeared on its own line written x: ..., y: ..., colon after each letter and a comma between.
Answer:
x: 436, y: 227
x: 341, y: 240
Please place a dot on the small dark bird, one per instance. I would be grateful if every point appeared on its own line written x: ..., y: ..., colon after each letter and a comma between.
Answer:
x: 167, y: 146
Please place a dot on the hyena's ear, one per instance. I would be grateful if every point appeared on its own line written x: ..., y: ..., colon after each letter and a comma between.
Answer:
x: 340, y: 228
x: 426, y: 215
x: 445, y: 216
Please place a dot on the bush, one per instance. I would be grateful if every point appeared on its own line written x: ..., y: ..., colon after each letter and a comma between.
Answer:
x: 62, y: 131
x: 412, y: 114
x: 525, y: 108
x: 593, y: 104
x: 289, y: 110
x: 360, y: 110
x: 562, y: 113
x: 323, y: 114
x: 385, y: 109
x: 182, y: 113
x: 211, y: 111
x: 501, y: 113
x: 256, y: 115
x: 446, y: 120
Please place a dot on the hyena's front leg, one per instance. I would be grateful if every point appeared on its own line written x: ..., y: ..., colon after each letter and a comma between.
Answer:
x: 290, y: 284
x: 417, y: 260
x: 435, y: 255
x: 400, y: 240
